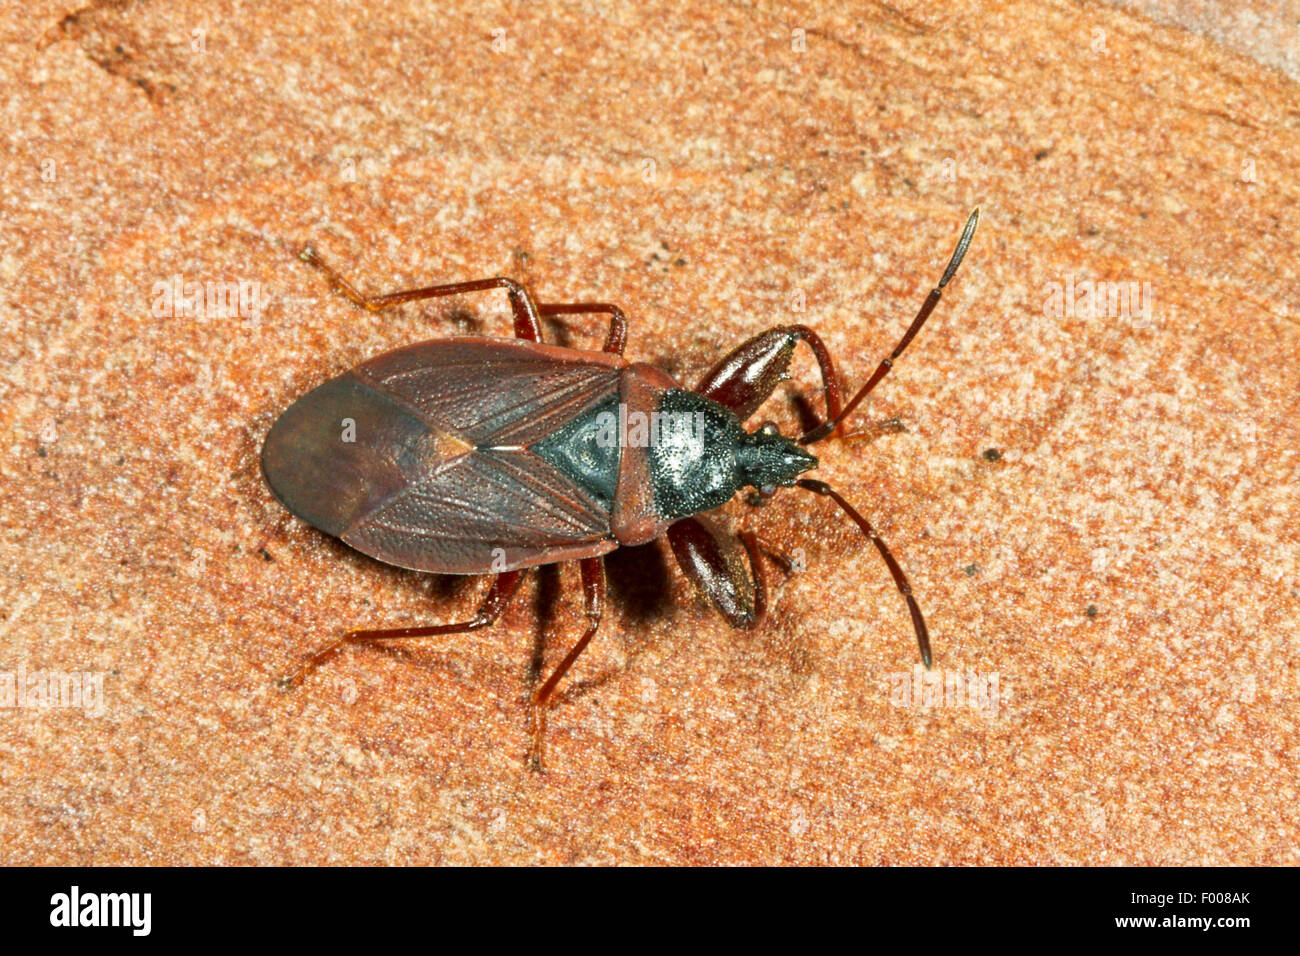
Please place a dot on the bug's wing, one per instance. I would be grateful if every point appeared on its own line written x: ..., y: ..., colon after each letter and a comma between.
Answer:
x: 420, y: 457
x: 495, y: 505
x: 488, y: 511
x: 494, y: 391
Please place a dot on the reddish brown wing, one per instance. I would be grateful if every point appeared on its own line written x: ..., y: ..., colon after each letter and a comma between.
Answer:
x: 494, y: 391
x: 437, y: 475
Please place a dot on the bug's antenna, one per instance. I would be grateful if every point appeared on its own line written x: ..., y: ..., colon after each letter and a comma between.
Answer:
x: 900, y: 579
x: 827, y: 428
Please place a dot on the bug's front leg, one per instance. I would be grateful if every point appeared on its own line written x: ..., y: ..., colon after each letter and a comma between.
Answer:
x: 747, y: 376
x: 712, y: 560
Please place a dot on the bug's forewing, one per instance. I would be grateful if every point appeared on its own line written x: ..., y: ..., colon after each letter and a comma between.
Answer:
x: 438, y: 475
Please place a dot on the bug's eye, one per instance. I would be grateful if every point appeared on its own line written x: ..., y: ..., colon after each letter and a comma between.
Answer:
x: 769, y: 428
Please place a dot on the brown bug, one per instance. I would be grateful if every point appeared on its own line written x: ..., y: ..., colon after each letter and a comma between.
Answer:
x: 490, y: 456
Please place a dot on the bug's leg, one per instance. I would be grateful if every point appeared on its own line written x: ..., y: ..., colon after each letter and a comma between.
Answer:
x: 788, y: 565
x: 527, y: 324
x: 873, y: 430
x: 750, y: 542
x: 498, y: 598
x: 746, y: 377
x: 593, y: 597
x: 617, y: 337
x: 712, y: 560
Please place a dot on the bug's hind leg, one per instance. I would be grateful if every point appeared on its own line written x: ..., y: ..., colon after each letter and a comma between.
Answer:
x: 527, y: 324
x: 593, y: 596
x: 498, y: 598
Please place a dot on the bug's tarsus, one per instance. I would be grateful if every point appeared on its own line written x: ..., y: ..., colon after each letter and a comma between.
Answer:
x: 310, y: 256
x: 874, y: 430
x: 900, y: 579
x: 833, y: 421
x: 779, y: 558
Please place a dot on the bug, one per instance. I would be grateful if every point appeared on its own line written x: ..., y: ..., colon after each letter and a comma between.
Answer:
x: 488, y: 456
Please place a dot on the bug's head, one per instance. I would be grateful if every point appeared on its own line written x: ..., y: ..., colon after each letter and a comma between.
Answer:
x: 769, y: 460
